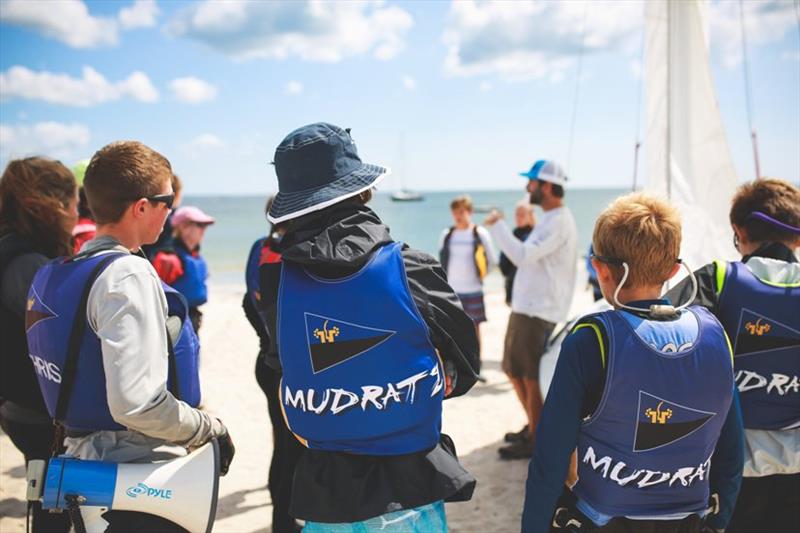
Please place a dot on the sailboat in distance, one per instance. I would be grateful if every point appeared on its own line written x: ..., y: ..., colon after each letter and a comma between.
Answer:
x: 405, y: 194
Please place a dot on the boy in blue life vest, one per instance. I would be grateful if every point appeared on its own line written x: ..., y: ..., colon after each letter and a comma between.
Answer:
x: 370, y: 339
x: 113, y: 349
x: 189, y: 275
x: 644, y: 392
x: 757, y: 299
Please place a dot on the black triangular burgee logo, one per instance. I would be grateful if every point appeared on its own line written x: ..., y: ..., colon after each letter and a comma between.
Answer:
x: 660, y: 422
x: 758, y: 333
x: 332, y: 341
x: 36, y: 311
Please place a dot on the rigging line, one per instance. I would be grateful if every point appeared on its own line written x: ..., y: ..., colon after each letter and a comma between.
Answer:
x: 637, y: 141
x: 577, y: 90
x: 668, y: 136
x: 748, y: 90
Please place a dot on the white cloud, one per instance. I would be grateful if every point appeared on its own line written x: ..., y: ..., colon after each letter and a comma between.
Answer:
x: 294, y: 88
x: 523, y: 40
x: 142, y: 14
x: 68, y: 21
x: 91, y: 89
x: 765, y: 22
x: 409, y: 83
x: 51, y: 139
x: 485, y: 86
x: 206, y: 140
x: 193, y: 90
x: 312, y: 30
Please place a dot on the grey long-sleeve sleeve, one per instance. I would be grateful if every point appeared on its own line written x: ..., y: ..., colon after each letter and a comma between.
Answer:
x: 127, y: 310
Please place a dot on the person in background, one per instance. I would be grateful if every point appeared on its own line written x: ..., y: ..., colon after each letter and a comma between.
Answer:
x: 466, y: 254
x: 646, y: 394
x: 189, y: 274
x: 542, y: 292
x: 524, y: 219
x: 370, y: 339
x: 38, y: 209
x: 165, y: 238
x: 286, y: 449
x: 130, y: 400
x: 757, y: 299
x: 85, y: 229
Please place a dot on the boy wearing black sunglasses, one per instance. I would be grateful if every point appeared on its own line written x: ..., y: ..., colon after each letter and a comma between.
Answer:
x: 132, y: 384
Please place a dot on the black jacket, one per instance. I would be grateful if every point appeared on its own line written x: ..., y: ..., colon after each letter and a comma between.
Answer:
x: 19, y: 261
x: 342, y: 487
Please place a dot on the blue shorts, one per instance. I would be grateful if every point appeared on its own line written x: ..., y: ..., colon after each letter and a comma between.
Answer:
x: 426, y: 519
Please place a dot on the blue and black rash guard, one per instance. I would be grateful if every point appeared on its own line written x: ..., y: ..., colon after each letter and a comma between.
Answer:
x: 574, y: 394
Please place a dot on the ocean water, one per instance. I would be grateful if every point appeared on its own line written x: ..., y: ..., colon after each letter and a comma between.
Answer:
x: 241, y: 220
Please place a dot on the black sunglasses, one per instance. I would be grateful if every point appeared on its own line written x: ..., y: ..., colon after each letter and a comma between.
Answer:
x: 166, y: 199
x: 607, y: 260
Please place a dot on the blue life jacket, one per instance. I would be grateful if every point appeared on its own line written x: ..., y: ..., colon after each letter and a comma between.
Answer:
x: 763, y: 321
x: 647, y: 449
x: 193, y: 282
x: 360, y: 373
x: 54, y: 307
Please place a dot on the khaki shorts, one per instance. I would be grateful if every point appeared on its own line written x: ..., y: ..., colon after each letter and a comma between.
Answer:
x: 526, y: 339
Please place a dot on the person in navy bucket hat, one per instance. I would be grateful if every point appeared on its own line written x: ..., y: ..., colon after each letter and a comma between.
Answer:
x: 369, y: 340
x: 317, y: 166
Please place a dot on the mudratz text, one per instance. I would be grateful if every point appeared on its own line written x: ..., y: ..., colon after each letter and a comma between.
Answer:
x: 335, y: 401
x: 781, y: 384
x: 623, y: 475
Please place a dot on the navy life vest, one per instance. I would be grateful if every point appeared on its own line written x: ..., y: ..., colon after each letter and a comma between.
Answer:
x: 647, y: 449
x: 360, y: 373
x: 56, y: 303
x: 261, y: 253
x: 478, y: 252
x: 763, y: 321
x: 193, y: 282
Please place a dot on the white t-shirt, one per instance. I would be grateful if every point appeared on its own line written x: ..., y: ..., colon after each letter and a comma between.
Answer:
x: 546, y: 264
x: 461, y: 273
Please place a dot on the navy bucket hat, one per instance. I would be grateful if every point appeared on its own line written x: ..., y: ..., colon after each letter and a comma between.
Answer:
x: 317, y: 166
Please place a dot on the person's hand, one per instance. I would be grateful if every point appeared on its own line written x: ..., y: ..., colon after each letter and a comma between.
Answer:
x: 168, y: 266
x: 226, y: 450
x: 493, y: 217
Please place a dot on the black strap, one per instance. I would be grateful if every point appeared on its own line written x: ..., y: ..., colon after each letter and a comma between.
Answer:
x: 76, y: 339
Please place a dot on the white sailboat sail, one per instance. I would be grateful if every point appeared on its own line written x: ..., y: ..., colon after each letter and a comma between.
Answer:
x: 688, y: 158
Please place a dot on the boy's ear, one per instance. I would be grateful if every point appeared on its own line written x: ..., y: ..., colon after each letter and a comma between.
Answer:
x: 741, y: 233
x: 603, y: 271
x: 674, y: 270
x: 138, y: 207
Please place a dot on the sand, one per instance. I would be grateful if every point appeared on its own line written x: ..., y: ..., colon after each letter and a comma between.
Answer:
x: 476, y: 422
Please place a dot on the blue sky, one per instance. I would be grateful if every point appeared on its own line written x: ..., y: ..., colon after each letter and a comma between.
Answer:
x: 450, y: 95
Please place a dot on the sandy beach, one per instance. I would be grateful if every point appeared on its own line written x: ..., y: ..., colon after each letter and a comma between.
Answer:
x: 477, y: 423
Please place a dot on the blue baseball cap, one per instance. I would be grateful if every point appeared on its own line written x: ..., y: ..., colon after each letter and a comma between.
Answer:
x: 544, y: 170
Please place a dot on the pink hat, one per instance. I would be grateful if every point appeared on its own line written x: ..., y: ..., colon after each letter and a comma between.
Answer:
x: 190, y: 213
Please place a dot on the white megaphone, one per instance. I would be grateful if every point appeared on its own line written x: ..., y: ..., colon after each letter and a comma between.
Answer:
x: 183, y: 490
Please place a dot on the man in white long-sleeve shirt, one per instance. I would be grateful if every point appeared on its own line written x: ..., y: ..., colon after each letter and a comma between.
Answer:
x: 120, y: 408
x: 543, y: 287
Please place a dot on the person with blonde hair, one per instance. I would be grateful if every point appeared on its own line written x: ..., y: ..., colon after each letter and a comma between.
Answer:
x: 757, y: 299
x: 644, y: 392
x: 38, y: 209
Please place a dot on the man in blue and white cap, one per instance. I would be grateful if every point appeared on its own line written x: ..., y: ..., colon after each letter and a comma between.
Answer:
x: 370, y: 339
x: 546, y: 264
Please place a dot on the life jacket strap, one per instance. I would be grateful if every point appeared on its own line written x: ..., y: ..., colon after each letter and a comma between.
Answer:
x: 75, y: 340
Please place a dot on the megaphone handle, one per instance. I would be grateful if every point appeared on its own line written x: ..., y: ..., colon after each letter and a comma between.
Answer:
x: 74, y: 510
